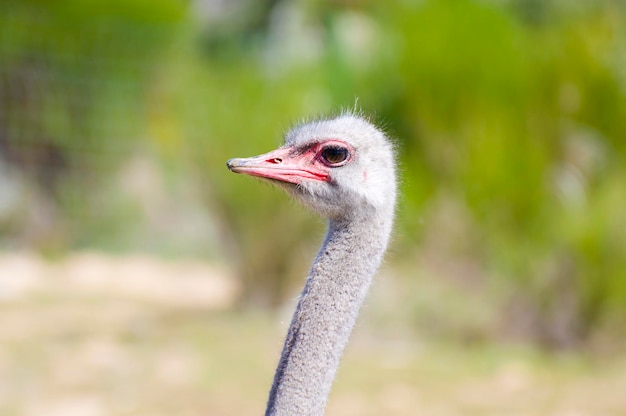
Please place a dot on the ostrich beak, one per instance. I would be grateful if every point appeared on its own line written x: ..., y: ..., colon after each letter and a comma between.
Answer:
x: 281, y: 165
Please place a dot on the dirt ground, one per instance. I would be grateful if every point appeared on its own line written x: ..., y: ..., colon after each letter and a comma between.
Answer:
x: 95, y: 335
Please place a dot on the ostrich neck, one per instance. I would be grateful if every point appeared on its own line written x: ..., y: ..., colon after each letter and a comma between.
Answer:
x: 326, y: 313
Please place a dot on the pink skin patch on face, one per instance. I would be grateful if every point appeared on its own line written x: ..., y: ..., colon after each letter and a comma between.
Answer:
x: 289, y: 165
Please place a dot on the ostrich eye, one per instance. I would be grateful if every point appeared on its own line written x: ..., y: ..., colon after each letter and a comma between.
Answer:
x: 335, y: 155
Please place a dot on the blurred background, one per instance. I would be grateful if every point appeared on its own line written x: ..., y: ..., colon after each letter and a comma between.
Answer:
x: 139, y: 277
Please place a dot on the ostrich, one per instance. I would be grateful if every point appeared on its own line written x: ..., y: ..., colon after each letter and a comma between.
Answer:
x: 344, y: 169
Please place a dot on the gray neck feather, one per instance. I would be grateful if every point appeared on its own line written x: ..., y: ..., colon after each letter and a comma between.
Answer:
x: 326, y: 313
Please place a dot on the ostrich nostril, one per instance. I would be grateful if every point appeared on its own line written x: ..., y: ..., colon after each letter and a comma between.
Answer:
x: 275, y: 160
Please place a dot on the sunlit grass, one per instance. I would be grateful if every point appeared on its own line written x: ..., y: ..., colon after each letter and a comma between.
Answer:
x: 76, y: 355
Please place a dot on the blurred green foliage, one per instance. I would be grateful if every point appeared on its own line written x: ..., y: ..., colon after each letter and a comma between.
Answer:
x: 510, y: 119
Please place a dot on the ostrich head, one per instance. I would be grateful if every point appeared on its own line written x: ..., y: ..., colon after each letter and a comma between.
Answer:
x: 340, y: 167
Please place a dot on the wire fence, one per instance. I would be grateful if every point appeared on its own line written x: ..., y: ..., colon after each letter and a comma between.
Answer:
x: 74, y: 93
